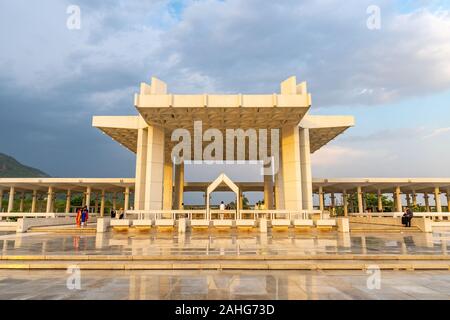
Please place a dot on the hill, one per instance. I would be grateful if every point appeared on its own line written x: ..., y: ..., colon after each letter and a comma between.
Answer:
x: 11, y: 168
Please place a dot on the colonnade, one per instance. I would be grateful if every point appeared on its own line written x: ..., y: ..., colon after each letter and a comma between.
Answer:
x: 359, y: 194
x: 99, y: 197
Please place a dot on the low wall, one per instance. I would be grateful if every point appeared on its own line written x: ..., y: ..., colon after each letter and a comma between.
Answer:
x: 388, y: 221
x: 8, y: 226
x: 424, y: 224
x: 103, y: 224
x: 23, y: 224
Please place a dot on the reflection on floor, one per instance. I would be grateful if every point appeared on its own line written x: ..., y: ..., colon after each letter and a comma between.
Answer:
x: 225, y: 285
x: 284, y: 243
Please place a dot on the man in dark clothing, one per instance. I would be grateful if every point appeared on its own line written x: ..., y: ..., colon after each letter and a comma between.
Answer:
x: 407, y: 216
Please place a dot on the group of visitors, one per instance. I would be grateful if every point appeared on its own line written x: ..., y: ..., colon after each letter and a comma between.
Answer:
x: 82, y: 217
x: 118, y: 214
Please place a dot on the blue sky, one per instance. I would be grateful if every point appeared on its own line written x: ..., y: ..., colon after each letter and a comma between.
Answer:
x: 395, y: 80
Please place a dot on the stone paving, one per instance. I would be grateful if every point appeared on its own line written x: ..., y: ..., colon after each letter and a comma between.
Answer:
x: 225, y: 285
x: 283, y: 243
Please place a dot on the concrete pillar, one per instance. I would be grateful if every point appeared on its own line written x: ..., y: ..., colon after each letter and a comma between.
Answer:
x: 126, y: 202
x: 268, y: 192
x: 154, y: 172
x: 291, y: 179
x: 114, y: 201
x: 345, y: 202
x: 1, y: 200
x: 427, y: 202
x: 11, y: 199
x: 168, y: 185
x: 305, y: 167
x: 33, y: 201
x: 53, y: 208
x: 68, y: 199
x: 83, y: 199
x: 241, y: 199
x: 102, y: 203
x: 379, y: 200
x: 49, y: 199
x: 437, y: 199
x: 408, y: 200
x: 178, y: 186
x: 22, y: 199
x: 364, y: 202
x: 96, y: 203
x: 414, y: 199
x: 360, y: 199
x: 88, y: 197
x: 321, y: 199
x: 447, y: 194
x: 333, y: 200
x: 398, y: 199
x: 141, y: 166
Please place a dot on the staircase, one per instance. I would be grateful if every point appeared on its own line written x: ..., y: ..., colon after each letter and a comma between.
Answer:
x: 367, y: 227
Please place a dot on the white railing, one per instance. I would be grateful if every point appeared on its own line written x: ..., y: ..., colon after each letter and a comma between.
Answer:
x: 221, y: 214
x: 36, y: 214
x: 400, y: 214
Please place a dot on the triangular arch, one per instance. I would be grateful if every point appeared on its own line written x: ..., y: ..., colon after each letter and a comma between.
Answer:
x: 222, y: 178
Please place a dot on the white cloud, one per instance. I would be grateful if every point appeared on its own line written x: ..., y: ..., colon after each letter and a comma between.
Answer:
x: 437, y: 132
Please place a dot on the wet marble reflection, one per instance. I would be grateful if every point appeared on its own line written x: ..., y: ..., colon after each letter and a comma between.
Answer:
x: 283, y: 243
x: 223, y: 285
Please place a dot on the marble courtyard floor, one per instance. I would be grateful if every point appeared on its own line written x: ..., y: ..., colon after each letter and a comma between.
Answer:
x: 224, y: 285
x: 226, y: 244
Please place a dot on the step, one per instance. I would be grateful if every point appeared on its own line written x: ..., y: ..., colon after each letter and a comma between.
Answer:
x: 69, y: 230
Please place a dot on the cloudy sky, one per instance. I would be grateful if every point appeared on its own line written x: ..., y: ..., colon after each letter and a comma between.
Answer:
x: 395, y: 80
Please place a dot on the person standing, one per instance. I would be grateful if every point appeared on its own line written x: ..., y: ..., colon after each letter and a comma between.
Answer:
x: 84, y: 216
x: 78, y: 217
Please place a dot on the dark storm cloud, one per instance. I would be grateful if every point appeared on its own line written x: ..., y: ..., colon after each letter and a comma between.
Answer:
x: 53, y: 80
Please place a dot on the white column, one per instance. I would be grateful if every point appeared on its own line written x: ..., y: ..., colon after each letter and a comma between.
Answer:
x: 96, y: 203
x: 22, y: 199
x: 380, y: 200
x: 49, y: 199
x: 154, y: 172
x: 360, y: 199
x: 11, y: 199
x: 114, y: 201
x: 126, y: 201
x: 414, y: 199
x: 345, y: 202
x: 88, y: 197
x: 321, y: 199
x: 141, y: 166
x: 178, y: 186
x: 68, y: 198
x: 168, y: 185
x: 290, y: 169
x: 408, y: 200
x: 33, y: 201
x: 427, y: 202
x: 305, y: 166
x: 333, y: 200
x: 268, y: 192
x: 102, y: 203
x: 437, y: 199
x: 447, y: 193
x: 398, y: 199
